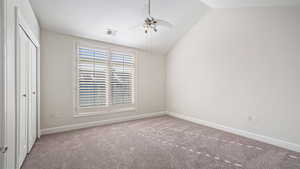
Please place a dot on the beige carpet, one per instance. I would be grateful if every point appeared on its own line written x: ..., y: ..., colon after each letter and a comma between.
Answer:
x: 157, y: 143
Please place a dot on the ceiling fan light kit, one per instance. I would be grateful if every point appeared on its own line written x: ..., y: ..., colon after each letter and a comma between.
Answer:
x: 151, y: 24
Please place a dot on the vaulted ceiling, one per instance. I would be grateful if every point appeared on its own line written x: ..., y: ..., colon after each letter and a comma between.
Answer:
x: 91, y: 18
x: 250, y: 3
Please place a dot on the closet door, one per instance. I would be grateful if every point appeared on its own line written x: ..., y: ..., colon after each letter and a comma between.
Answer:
x: 32, y: 84
x: 23, y: 48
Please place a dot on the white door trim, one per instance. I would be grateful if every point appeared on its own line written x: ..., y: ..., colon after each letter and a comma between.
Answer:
x: 2, y: 83
x: 21, y: 23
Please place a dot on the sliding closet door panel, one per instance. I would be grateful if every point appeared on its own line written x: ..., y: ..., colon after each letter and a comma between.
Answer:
x: 32, y: 113
x: 23, y: 54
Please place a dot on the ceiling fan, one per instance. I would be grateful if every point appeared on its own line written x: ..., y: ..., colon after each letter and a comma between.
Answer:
x: 151, y: 23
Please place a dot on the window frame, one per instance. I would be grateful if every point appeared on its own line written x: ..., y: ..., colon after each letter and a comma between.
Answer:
x: 109, y: 109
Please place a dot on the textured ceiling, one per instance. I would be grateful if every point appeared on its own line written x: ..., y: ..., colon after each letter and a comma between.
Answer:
x: 91, y: 18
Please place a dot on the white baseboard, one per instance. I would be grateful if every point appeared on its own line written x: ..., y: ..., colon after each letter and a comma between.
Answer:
x: 99, y: 123
x: 266, y: 139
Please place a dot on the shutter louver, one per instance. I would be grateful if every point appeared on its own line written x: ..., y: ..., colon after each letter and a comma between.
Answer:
x: 105, y: 80
x: 93, y: 77
x: 122, y: 78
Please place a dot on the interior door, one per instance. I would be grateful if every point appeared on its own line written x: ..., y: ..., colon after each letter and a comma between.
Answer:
x: 23, y: 54
x: 32, y: 84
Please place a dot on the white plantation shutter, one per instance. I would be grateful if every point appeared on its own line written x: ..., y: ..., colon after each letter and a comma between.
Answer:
x: 93, y: 77
x: 106, y: 78
x: 122, y: 78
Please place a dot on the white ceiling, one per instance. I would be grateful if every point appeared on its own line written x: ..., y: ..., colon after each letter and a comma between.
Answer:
x: 90, y: 19
x: 250, y: 3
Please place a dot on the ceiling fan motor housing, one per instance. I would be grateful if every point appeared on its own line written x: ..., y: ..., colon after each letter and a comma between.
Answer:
x: 151, y: 23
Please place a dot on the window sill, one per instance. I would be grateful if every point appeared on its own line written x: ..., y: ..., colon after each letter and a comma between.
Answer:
x: 97, y: 113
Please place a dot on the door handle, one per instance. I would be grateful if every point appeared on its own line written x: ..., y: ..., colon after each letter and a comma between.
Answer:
x: 3, y: 149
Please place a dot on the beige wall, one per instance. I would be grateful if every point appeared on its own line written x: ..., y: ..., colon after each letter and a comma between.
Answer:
x: 57, y: 54
x: 237, y: 64
x: 29, y: 17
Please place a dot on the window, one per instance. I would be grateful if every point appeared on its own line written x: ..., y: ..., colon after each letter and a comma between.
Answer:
x: 105, y: 80
x: 122, y: 78
x: 93, y: 77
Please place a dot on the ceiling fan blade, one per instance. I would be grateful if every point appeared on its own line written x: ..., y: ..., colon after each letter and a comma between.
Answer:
x: 164, y: 23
